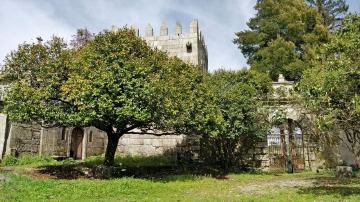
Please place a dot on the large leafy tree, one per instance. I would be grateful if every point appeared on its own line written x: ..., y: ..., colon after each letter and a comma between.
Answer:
x: 331, y: 89
x: 114, y: 82
x: 332, y: 11
x: 36, y: 72
x: 282, y: 38
x: 242, y: 123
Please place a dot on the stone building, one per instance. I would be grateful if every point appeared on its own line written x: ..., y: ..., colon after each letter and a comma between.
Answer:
x: 189, y: 47
x: 79, y: 143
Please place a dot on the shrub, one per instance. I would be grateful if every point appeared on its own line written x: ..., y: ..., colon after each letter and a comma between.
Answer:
x: 68, y: 162
x: 94, y: 160
x: 27, y: 159
x: 9, y: 161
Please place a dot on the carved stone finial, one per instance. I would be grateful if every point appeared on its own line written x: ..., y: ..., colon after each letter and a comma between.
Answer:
x: 281, y: 78
x: 164, y: 29
x: 178, y: 29
x: 149, y: 31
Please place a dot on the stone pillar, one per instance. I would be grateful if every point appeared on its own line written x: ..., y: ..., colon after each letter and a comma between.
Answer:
x: 84, y: 143
x: 41, y: 141
x: 178, y: 29
x: 8, y: 147
x: 149, y: 31
x: 3, y: 129
x: 164, y: 30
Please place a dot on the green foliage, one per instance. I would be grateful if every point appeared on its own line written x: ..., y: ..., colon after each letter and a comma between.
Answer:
x: 283, y: 37
x: 332, y: 11
x: 331, y: 89
x: 9, y: 160
x: 36, y: 72
x: 238, y: 97
x: 26, y: 159
x: 114, y: 82
x: 68, y: 162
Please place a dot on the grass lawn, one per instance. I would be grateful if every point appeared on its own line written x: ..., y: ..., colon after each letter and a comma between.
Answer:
x: 306, y: 186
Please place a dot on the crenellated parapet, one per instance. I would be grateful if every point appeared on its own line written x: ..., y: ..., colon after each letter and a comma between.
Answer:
x: 188, y: 46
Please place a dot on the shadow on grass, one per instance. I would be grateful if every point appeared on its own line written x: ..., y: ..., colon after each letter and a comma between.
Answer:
x: 333, y: 186
x: 157, y: 168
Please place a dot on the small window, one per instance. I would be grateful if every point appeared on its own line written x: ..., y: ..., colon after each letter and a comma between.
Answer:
x: 188, y: 47
x: 90, y: 136
x: 63, y: 133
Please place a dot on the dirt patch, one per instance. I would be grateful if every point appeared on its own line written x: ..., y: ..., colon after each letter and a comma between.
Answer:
x: 58, y: 173
x: 263, y: 187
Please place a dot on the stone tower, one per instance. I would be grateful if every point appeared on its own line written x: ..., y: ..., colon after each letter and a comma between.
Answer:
x: 189, y: 47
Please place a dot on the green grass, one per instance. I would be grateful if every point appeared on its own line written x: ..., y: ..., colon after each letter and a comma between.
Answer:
x: 306, y: 186
x: 27, y: 159
x: 239, y: 187
x: 130, y: 161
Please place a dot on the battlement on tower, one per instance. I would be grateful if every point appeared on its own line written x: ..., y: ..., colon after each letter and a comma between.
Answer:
x: 189, y: 47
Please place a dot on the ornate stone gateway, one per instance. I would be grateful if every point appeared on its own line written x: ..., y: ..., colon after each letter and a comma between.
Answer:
x: 77, y: 136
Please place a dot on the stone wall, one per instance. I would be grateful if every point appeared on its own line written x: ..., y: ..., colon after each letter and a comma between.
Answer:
x: 96, y: 141
x: 57, y: 141
x: 264, y: 161
x: 23, y: 138
x: 150, y: 145
x: 54, y: 141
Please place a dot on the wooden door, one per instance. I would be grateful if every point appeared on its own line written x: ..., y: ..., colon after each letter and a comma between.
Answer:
x: 76, y: 143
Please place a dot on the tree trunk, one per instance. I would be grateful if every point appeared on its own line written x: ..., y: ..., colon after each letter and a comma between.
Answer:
x: 113, y: 140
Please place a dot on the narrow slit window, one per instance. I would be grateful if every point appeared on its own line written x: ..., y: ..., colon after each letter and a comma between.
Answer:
x: 63, y: 134
x: 90, y: 136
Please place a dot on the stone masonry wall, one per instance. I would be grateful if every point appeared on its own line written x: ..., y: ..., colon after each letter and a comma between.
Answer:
x: 150, y: 145
x: 95, y: 141
x: 54, y: 142
x: 23, y: 138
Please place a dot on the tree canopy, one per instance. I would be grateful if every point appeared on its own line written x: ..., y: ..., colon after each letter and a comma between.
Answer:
x: 114, y: 82
x: 243, y: 121
x: 332, y: 11
x: 282, y: 38
x: 331, y: 89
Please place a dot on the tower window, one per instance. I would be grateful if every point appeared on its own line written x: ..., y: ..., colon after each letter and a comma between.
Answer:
x: 188, y: 47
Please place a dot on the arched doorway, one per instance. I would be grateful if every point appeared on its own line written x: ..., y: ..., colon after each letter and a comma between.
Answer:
x: 77, y: 136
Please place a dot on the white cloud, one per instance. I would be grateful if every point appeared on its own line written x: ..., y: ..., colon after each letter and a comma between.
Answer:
x: 219, y: 20
x: 20, y: 21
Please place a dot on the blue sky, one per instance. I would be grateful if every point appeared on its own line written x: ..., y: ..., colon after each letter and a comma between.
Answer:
x: 24, y: 20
